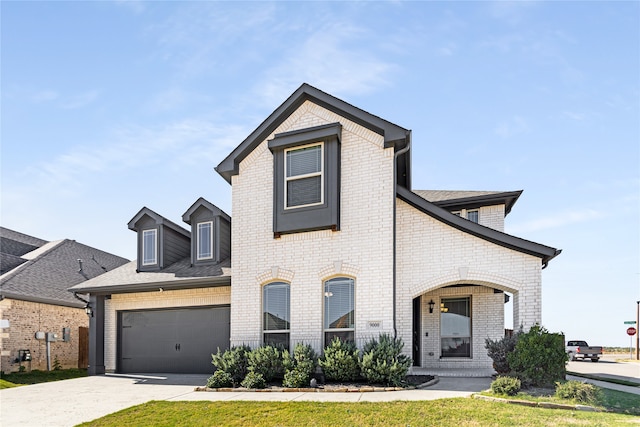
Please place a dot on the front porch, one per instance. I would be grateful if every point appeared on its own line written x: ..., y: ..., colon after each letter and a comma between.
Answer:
x: 453, y: 372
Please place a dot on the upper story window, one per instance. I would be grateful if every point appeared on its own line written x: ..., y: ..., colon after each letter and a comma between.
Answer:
x: 276, y: 314
x: 472, y: 216
x: 303, y: 176
x: 306, y: 179
x: 205, y: 240
x: 149, y: 247
x: 339, y: 309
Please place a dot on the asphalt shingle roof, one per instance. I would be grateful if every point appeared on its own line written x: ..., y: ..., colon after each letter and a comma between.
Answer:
x: 45, y: 273
x: 443, y: 195
x: 178, y: 274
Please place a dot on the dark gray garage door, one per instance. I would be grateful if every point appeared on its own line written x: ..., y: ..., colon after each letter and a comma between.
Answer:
x: 173, y: 340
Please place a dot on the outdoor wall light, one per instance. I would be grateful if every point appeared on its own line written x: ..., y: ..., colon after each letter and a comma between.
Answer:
x: 88, y: 310
x: 431, y: 304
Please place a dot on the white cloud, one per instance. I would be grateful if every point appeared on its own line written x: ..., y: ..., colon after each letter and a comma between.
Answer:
x: 44, y: 96
x: 80, y: 100
x: 558, y: 219
x: 513, y: 126
x: 332, y: 59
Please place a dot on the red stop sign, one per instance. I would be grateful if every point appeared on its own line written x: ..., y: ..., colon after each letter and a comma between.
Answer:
x: 631, y: 331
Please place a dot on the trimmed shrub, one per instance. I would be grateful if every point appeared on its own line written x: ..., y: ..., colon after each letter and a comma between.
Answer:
x: 539, y: 358
x: 498, y: 350
x: 253, y: 380
x: 233, y: 361
x: 266, y: 361
x: 301, y: 367
x: 340, y: 361
x: 383, y: 361
x: 506, y: 385
x: 219, y: 379
x: 578, y: 391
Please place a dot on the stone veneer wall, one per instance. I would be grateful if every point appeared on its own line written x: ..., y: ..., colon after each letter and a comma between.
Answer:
x: 154, y: 300
x: 362, y: 249
x: 432, y: 255
x: 25, y: 319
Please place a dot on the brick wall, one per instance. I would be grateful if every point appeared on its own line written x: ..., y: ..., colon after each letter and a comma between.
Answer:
x: 26, y: 318
x: 362, y: 249
x: 152, y: 300
x: 492, y: 217
x: 432, y: 255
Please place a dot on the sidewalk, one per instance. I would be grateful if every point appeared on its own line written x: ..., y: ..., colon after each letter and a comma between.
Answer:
x: 606, y: 384
x: 71, y: 402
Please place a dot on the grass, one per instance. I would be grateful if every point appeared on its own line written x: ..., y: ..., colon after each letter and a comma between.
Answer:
x: 459, y: 412
x: 34, y: 377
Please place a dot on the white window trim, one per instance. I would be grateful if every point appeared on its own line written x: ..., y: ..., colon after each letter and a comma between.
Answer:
x: 464, y: 213
x: 308, y: 175
x: 324, y: 314
x: 155, y: 246
x: 198, y: 257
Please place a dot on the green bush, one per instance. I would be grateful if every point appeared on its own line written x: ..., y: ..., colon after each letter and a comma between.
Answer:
x: 233, y: 361
x: 267, y: 361
x: 383, y: 361
x: 498, y: 350
x: 539, y: 358
x: 506, y: 385
x: 301, y: 367
x: 340, y: 361
x: 254, y: 380
x: 219, y: 379
x: 578, y: 391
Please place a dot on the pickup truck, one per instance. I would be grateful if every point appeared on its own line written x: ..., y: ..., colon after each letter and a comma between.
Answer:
x: 580, y: 349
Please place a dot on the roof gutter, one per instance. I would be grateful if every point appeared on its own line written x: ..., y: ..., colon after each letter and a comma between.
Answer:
x: 395, y: 192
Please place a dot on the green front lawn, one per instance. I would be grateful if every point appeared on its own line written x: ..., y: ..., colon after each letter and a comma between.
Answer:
x: 34, y: 377
x: 458, y: 412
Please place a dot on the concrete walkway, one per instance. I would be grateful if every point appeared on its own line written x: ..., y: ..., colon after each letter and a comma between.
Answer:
x: 71, y: 402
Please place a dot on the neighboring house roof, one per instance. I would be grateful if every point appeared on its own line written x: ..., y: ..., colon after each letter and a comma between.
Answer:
x: 546, y: 253
x: 453, y: 200
x: 13, y: 245
x: 394, y: 135
x: 179, y: 275
x: 46, y: 272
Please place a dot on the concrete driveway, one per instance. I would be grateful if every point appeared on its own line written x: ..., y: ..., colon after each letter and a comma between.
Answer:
x: 71, y: 402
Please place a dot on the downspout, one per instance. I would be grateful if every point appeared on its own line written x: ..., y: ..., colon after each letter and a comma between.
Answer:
x: 395, y: 197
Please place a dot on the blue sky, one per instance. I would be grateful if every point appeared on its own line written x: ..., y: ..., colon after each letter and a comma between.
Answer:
x: 107, y: 107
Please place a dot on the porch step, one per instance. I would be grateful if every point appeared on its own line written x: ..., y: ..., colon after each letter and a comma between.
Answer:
x: 443, y: 372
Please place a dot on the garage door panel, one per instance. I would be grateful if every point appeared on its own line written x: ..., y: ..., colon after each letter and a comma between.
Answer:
x: 173, y: 340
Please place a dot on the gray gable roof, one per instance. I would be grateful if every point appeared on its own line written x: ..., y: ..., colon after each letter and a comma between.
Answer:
x: 545, y: 253
x: 394, y: 135
x: 159, y: 220
x: 455, y: 200
x: 186, y: 217
x: 179, y: 275
x: 11, y: 235
x: 49, y: 270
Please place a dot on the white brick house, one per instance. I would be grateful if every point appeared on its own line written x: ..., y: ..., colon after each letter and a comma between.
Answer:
x: 328, y: 239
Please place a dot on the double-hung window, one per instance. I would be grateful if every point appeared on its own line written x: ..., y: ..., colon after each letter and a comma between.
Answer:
x: 339, y: 310
x: 276, y: 314
x: 455, y: 327
x: 304, y: 183
x: 149, y: 247
x: 205, y: 240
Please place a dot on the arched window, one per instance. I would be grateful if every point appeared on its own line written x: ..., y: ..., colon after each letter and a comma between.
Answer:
x: 339, y: 309
x: 275, y: 314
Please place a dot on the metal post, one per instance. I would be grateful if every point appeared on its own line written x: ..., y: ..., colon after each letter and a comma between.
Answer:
x: 637, y: 329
